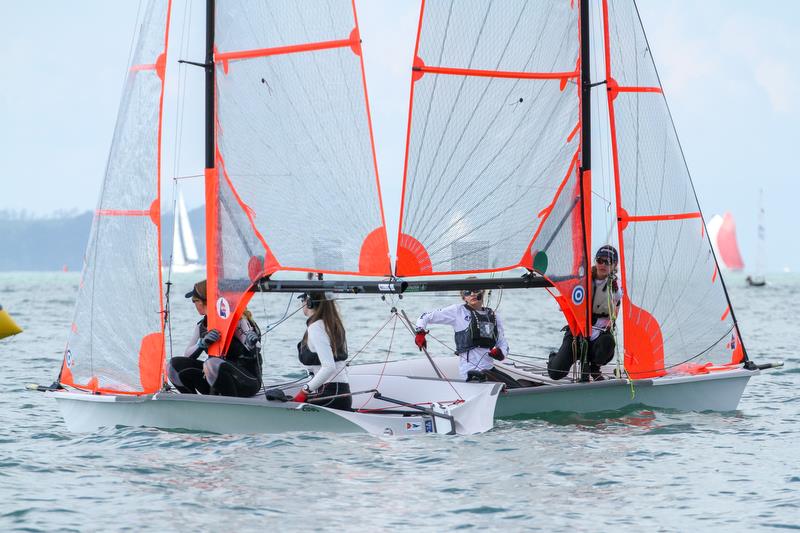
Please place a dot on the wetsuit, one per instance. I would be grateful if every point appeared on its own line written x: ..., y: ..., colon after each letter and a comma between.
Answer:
x: 601, y: 341
x: 237, y: 374
x: 328, y: 370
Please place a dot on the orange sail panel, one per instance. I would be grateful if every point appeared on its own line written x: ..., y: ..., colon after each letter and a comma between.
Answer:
x: 116, y: 343
x: 672, y: 306
x: 727, y: 244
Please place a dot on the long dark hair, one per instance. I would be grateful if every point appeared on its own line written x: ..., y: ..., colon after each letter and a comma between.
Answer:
x: 327, y: 311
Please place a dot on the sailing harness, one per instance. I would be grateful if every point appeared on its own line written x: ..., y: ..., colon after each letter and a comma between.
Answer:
x: 481, y: 332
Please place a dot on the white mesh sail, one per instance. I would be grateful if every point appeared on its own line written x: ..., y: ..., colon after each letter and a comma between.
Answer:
x: 116, y: 341
x: 296, y: 179
x: 675, y: 307
x: 493, y: 136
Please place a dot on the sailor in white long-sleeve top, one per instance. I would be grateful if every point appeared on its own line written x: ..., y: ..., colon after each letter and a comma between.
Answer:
x: 478, y: 334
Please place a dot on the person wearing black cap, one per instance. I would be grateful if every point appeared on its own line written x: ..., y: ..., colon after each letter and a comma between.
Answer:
x: 237, y: 374
x: 606, y: 298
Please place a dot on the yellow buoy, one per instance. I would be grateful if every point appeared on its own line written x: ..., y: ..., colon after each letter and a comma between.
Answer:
x: 7, y: 325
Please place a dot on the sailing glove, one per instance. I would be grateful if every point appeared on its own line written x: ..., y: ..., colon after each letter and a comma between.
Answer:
x: 208, y: 339
x: 300, y: 397
x: 419, y: 339
x: 251, y: 338
x: 497, y: 353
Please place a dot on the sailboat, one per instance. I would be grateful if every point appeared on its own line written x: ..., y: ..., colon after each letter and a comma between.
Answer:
x: 758, y: 279
x: 291, y: 185
x: 722, y: 232
x: 498, y: 179
x: 184, y: 250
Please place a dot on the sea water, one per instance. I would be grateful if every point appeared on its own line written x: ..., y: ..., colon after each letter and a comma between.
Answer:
x: 639, y: 469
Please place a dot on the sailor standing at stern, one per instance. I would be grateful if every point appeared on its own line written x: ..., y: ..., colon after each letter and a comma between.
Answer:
x: 323, y: 351
x: 478, y: 333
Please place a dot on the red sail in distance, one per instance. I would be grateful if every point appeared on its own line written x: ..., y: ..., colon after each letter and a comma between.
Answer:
x: 727, y: 245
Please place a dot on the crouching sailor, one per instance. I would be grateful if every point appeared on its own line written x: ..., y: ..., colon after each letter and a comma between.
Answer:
x: 323, y: 351
x: 606, y: 297
x: 237, y: 374
x: 479, y: 336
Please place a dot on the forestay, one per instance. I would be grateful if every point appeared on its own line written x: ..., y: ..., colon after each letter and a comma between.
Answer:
x: 295, y: 186
x: 493, y: 151
x: 675, y: 306
x: 116, y: 340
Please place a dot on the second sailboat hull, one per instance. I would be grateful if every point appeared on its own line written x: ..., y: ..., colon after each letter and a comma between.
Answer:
x: 717, y: 391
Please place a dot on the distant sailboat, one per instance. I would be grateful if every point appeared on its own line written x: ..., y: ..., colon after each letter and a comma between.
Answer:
x: 184, y: 250
x: 757, y: 279
x: 722, y: 231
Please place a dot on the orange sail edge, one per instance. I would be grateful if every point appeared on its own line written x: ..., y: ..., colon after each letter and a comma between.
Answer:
x: 644, y: 342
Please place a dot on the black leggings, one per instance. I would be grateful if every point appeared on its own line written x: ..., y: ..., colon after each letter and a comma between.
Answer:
x: 232, y: 379
x: 601, y: 351
x: 344, y: 403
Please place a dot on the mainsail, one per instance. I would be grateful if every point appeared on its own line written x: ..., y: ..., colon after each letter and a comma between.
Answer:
x: 295, y: 185
x: 491, y: 177
x: 106, y: 350
x: 675, y: 306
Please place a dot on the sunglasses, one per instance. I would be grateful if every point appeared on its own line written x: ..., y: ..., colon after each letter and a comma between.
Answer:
x: 477, y: 293
x: 602, y: 261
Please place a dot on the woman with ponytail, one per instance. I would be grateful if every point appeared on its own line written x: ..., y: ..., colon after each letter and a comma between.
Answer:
x: 323, y: 351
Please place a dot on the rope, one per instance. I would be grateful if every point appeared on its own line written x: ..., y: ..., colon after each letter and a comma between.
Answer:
x: 385, y: 361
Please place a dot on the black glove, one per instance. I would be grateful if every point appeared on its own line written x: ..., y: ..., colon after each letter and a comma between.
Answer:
x: 208, y: 339
x: 251, y: 338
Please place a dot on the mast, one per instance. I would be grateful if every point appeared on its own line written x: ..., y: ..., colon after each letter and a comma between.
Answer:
x: 215, y: 321
x: 209, y: 66
x: 585, y: 178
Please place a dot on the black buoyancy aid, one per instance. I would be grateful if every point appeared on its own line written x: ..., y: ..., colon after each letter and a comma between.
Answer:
x: 481, y: 332
x: 237, y: 351
x: 309, y: 358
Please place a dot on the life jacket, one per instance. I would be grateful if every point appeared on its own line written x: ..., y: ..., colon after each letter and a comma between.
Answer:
x: 601, y: 299
x: 238, y: 353
x: 309, y: 358
x: 480, y: 333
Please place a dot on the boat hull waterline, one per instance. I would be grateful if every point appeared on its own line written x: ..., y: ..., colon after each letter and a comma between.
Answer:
x: 716, y: 391
x: 86, y: 412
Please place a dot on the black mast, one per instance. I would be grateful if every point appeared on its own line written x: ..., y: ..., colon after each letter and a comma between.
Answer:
x: 586, y: 140
x: 209, y: 66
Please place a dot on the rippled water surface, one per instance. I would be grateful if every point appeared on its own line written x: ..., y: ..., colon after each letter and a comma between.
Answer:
x: 640, y: 469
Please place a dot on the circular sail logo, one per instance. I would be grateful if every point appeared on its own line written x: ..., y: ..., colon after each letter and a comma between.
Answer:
x: 69, y: 359
x: 578, y: 294
x: 223, y: 308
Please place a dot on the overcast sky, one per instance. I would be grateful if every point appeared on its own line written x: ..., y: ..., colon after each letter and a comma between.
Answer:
x: 729, y: 69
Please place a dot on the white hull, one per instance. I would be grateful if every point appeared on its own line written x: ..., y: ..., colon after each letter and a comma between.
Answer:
x: 85, y: 412
x: 717, y: 391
